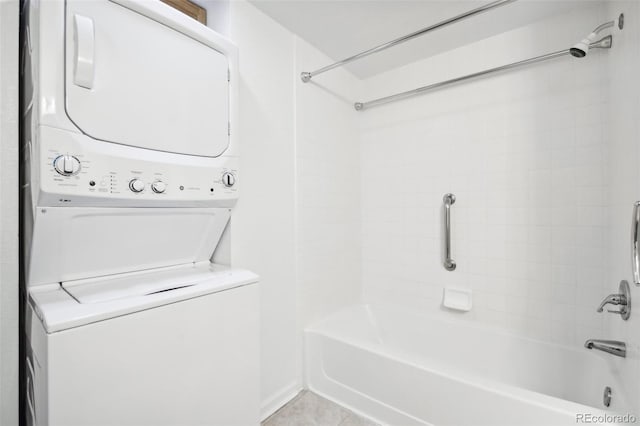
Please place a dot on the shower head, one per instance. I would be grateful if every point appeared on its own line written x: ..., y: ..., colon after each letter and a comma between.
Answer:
x: 580, y: 49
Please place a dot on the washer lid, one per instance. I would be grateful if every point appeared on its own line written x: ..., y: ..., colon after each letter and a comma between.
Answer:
x: 78, y: 303
x: 145, y: 283
x: 144, y: 81
x: 78, y: 243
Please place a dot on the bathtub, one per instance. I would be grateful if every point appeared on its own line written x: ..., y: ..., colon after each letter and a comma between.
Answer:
x: 406, y: 368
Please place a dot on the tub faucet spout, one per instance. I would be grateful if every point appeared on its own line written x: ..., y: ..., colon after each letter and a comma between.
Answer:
x: 612, y: 347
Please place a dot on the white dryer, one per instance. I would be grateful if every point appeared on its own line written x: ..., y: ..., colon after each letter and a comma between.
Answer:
x: 131, y: 175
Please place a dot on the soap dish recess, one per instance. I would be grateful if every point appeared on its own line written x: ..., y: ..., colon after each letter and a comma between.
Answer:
x: 457, y: 299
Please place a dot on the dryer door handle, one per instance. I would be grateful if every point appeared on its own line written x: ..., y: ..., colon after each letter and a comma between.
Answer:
x: 84, y: 40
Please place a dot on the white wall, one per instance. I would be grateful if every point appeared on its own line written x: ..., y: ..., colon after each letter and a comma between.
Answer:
x: 297, y: 221
x: 263, y: 232
x: 217, y: 15
x: 327, y: 187
x: 623, y: 131
x: 9, y: 18
x: 526, y: 156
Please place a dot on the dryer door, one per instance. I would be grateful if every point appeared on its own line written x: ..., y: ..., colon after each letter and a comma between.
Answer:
x: 134, y: 81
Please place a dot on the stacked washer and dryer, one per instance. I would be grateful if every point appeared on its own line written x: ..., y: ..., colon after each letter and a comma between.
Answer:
x: 130, y: 177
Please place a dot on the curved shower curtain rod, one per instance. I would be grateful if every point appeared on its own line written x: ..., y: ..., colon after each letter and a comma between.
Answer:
x: 307, y: 76
x: 579, y: 50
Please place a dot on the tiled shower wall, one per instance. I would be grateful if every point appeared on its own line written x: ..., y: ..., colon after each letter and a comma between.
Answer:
x: 525, y: 153
x: 624, y: 184
x: 327, y: 190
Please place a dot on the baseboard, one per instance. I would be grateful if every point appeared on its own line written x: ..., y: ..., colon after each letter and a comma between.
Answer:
x: 271, y: 404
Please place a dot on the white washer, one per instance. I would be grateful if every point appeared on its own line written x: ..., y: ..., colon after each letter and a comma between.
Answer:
x: 131, y: 177
x: 123, y: 351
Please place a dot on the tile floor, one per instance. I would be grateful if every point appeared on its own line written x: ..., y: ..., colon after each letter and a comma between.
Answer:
x: 309, y: 409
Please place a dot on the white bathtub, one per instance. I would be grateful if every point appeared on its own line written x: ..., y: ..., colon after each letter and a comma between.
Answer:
x: 403, y: 368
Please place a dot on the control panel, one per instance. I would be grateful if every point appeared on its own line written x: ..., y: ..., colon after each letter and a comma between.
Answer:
x: 120, y: 175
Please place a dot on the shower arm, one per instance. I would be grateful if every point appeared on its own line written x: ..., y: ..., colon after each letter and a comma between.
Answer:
x: 603, y: 27
x: 603, y: 43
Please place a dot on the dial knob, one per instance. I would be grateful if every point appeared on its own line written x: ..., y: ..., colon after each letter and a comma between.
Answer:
x: 136, y: 185
x: 66, y: 165
x: 228, y: 179
x: 158, y: 187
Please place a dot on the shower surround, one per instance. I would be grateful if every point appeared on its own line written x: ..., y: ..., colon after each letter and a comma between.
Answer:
x: 526, y: 155
x: 540, y: 235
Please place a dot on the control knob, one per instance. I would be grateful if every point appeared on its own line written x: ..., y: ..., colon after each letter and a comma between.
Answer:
x: 228, y: 179
x: 158, y: 187
x: 136, y: 185
x: 66, y: 165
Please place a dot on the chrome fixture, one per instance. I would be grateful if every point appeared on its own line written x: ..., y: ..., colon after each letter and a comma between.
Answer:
x: 612, y: 347
x: 623, y: 298
x: 580, y: 49
x: 449, y: 263
x: 604, y: 43
x: 307, y: 76
x: 606, y: 396
x: 635, y: 249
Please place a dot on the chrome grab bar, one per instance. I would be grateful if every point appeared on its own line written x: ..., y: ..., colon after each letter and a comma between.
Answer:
x: 449, y: 263
x: 635, y: 250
